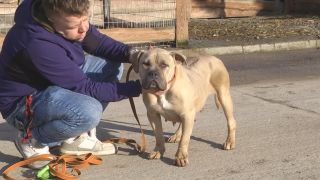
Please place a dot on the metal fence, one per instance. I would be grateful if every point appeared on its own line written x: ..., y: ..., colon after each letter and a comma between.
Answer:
x: 133, y: 13
x: 7, y: 9
x: 108, y: 14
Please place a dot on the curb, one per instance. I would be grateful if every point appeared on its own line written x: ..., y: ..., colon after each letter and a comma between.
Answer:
x: 245, y: 49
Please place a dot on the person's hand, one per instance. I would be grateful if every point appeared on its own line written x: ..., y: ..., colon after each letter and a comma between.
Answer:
x: 135, y: 66
x: 156, y: 91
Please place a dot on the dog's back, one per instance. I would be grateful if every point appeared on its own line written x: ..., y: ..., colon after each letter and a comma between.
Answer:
x: 207, y: 75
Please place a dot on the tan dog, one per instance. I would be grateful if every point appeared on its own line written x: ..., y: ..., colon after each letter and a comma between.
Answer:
x: 189, y: 88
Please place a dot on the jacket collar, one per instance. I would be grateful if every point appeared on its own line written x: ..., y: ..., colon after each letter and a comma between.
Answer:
x: 38, y: 14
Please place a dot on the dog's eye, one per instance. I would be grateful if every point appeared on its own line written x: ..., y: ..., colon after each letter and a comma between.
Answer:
x: 164, y: 65
x: 146, y: 63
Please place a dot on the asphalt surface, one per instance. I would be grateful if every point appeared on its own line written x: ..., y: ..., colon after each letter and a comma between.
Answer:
x: 276, y: 97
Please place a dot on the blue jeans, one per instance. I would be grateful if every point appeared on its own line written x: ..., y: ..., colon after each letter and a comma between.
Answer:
x: 59, y: 113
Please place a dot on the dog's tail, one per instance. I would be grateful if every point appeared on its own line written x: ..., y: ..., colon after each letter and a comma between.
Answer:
x: 217, y: 101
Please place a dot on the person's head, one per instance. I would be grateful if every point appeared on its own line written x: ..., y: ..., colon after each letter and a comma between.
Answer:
x: 68, y: 17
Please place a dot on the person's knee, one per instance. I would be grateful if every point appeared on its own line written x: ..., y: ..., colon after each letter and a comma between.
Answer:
x: 92, y: 114
x: 87, y: 115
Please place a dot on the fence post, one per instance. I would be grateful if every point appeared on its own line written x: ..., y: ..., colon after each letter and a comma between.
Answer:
x: 189, y: 9
x: 182, y: 37
x: 106, y: 4
x: 288, y: 6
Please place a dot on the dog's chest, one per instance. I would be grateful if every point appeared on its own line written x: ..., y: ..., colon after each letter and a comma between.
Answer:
x: 164, y: 107
x: 163, y: 104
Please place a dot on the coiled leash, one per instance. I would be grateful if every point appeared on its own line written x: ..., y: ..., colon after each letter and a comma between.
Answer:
x: 59, y: 165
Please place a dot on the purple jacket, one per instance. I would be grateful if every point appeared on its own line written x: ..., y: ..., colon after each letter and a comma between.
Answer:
x: 32, y: 58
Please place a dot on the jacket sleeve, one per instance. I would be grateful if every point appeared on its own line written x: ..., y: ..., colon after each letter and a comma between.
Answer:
x: 96, y: 43
x: 53, y: 63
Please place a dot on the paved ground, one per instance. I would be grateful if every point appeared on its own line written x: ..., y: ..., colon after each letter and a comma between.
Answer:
x: 276, y: 106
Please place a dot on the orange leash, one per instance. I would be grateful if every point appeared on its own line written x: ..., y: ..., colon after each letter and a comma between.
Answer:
x: 59, y: 165
x: 140, y: 149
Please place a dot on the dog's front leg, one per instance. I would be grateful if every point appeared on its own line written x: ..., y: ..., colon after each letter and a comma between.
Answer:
x: 181, y: 158
x: 156, y: 124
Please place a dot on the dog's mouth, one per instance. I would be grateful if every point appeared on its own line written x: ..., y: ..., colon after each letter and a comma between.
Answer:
x: 155, y: 84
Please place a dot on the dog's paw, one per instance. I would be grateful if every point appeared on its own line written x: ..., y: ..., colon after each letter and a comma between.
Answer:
x: 174, y: 139
x: 155, y: 155
x: 229, y: 145
x: 181, y: 159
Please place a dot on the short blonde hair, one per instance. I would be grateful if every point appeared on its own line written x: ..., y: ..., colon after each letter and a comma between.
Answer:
x: 58, y: 7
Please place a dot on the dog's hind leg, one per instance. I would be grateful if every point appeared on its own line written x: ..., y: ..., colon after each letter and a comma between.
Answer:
x: 177, y: 136
x: 227, y: 105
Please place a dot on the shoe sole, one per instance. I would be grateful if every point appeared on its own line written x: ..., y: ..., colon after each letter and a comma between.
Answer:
x: 97, y: 153
x: 31, y: 165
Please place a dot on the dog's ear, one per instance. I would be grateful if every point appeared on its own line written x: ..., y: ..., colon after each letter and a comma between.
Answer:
x: 180, y: 58
x: 136, y: 57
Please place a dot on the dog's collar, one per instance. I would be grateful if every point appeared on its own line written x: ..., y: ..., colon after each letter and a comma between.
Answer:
x: 174, y: 74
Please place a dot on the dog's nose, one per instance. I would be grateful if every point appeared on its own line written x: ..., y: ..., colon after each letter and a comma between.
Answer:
x: 153, y: 74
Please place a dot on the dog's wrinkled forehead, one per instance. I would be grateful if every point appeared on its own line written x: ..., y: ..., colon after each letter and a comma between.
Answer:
x: 156, y: 55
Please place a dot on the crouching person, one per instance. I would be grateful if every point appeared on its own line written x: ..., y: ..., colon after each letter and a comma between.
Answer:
x: 43, y: 66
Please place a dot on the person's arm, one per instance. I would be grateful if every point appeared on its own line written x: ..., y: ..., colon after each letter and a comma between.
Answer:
x: 99, y: 44
x: 56, y: 65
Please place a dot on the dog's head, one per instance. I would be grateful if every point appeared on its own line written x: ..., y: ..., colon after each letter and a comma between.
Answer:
x: 157, y: 67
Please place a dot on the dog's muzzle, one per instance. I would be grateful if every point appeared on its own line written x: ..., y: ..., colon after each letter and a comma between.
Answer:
x: 153, y: 74
x: 153, y: 80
